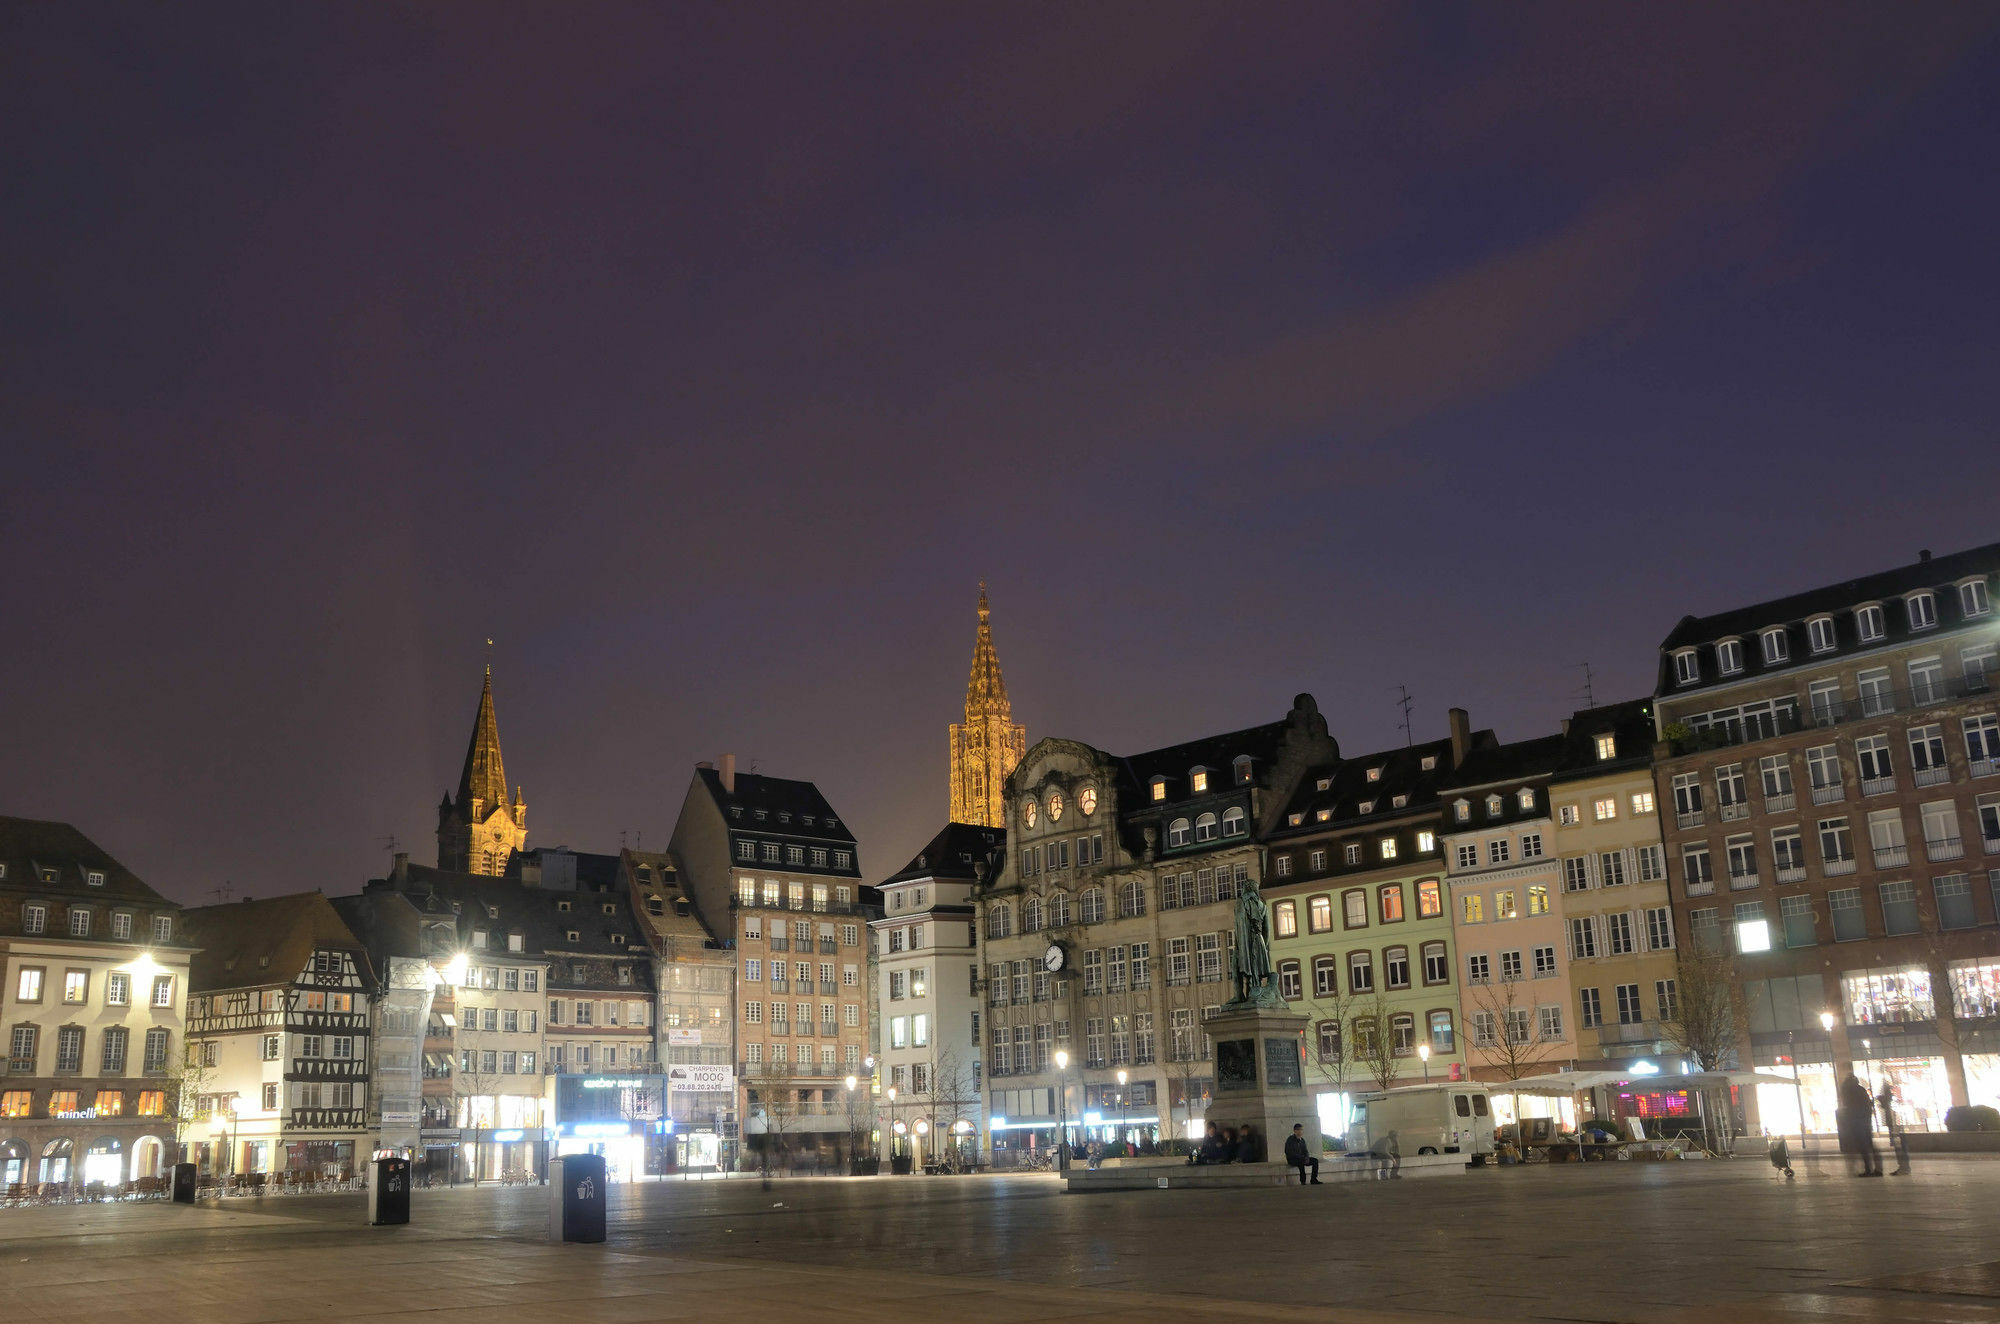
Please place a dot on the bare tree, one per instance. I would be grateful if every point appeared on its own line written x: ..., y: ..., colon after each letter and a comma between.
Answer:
x: 1329, y: 1063
x: 778, y: 1101
x: 1511, y: 1040
x: 1708, y: 1019
x: 471, y: 1089
x: 183, y: 1081
x: 1375, y: 1050
x: 953, y: 1099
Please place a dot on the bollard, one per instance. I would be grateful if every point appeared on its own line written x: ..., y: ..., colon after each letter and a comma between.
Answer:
x: 576, y: 1197
x: 389, y: 1192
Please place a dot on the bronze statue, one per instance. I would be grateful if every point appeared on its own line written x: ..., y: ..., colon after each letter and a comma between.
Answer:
x: 1256, y: 981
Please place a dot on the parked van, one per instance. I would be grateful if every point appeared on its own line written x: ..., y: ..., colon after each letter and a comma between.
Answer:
x: 1454, y: 1117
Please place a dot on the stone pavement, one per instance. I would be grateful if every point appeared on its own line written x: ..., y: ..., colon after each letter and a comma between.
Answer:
x: 1656, y: 1242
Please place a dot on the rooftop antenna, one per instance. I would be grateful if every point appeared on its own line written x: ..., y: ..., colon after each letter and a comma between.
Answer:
x: 224, y: 892
x: 1589, y: 686
x: 621, y: 838
x: 1409, y: 736
x: 390, y: 844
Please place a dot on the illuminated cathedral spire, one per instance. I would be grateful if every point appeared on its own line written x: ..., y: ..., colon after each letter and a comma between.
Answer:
x: 989, y: 742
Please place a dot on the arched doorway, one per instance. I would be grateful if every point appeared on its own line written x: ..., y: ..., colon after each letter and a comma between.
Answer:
x: 56, y: 1160
x: 13, y: 1162
x: 104, y: 1161
x: 149, y: 1157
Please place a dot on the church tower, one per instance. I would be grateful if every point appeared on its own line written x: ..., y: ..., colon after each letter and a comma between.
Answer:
x: 989, y: 742
x: 480, y: 829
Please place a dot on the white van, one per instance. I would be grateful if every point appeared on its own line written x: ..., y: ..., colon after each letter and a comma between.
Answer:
x: 1454, y: 1117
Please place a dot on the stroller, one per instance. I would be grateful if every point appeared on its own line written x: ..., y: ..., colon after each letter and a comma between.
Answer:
x: 1781, y: 1156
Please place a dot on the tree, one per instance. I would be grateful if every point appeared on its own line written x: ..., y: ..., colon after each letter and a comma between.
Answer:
x: 1329, y: 1061
x: 1375, y: 1050
x: 778, y: 1104
x: 185, y: 1080
x: 954, y: 1099
x: 1709, y: 1019
x: 477, y: 1103
x: 1511, y: 1039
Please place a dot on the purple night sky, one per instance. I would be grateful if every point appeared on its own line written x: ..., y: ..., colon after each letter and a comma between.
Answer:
x: 706, y: 357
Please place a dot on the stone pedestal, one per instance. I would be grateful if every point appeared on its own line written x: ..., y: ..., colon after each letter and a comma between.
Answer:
x: 1260, y: 1077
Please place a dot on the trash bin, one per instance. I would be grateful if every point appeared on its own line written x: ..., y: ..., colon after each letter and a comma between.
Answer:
x: 576, y: 1197
x: 183, y: 1183
x: 389, y: 1192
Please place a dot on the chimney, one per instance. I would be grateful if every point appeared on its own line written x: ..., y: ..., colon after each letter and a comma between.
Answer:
x: 1924, y: 554
x: 1565, y: 726
x: 729, y: 773
x: 400, y: 870
x: 1461, y: 735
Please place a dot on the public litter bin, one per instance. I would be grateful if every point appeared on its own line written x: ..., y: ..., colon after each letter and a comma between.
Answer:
x: 183, y: 1183
x: 576, y: 1197
x: 389, y: 1192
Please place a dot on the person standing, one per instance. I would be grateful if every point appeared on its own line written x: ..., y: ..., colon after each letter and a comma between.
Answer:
x: 1857, y: 1122
x: 1297, y: 1157
x: 1899, y: 1143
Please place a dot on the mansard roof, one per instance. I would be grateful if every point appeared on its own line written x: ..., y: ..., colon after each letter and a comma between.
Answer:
x: 55, y: 858
x: 1341, y: 789
x: 791, y: 808
x: 954, y: 853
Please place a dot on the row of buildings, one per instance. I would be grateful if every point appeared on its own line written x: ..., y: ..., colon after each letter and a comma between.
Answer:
x: 1812, y: 790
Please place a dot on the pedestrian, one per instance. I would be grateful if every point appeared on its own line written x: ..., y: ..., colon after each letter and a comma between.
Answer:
x: 1250, y: 1146
x: 1096, y: 1153
x: 1297, y: 1157
x: 1899, y: 1141
x: 1229, y: 1152
x: 1211, y: 1146
x: 1389, y: 1156
x: 1857, y: 1125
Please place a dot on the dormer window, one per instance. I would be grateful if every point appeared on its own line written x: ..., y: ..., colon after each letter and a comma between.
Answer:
x: 610, y: 909
x: 1198, y: 779
x: 1494, y: 804
x: 1159, y: 789
x: 1430, y: 763
x: 762, y: 815
x: 1375, y: 774
x: 832, y: 822
x: 1607, y: 747
x: 1923, y: 610
x: 1868, y: 623
x: 1296, y: 819
x: 1526, y: 799
x: 1972, y: 599
x: 1323, y: 815
x: 806, y: 819
x: 493, y: 912
x: 1242, y: 763
x: 1323, y: 784
x: 560, y: 905
x: 1461, y: 811
x: 1729, y: 656
x: 784, y: 818
x: 94, y: 877
x: 1819, y: 631
x: 570, y: 934
x: 1777, y: 648
x: 1367, y: 806
x: 48, y: 875
x: 1397, y: 802
x: 1687, y: 669
x: 736, y: 811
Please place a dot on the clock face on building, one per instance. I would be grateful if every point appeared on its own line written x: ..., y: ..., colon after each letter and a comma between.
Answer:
x: 1055, y: 807
x: 1086, y: 800
x: 1028, y: 808
x: 1052, y: 959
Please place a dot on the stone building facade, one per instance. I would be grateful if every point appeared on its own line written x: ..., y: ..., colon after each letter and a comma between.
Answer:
x: 93, y: 991
x: 695, y: 1040
x: 1829, y: 785
x: 1106, y: 936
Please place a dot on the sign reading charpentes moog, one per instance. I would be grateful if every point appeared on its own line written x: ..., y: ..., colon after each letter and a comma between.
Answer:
x: 695, y: 1079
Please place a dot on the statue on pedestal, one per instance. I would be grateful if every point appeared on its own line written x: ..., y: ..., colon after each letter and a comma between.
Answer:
x: 1256, y: 980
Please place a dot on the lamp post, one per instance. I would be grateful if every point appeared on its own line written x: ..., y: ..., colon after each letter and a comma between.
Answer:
x: 218, y: 1126
x: 1424, y: 1056
x: 1062, y: 1112
x: 1121, y: 1105
x: 853, y: 1159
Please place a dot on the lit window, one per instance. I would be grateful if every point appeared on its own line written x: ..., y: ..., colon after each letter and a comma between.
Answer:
x: 1606, y: 808
x: 1642, y: 802
x: 1607, y: 747
x: 1426, y: 841
x: 1159, y: 788
x: 1388, y: 848
x: 1200, y: 779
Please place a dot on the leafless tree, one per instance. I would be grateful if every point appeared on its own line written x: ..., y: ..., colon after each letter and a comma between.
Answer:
x: 1337, y: 1007
x: 1516, y: 1047
x: 471, y: 1089
x: 1374, y: 1050
x: 953, y: 1098
x: 778, y: 1101
x: 184, y: 1081
x: 1709, y: 1019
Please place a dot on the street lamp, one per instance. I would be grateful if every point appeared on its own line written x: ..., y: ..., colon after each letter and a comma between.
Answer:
x: 1424, y: 1056
x: 853, y: 1159
x: 1121, y: 1105
x: 218, y: 1125
x: 1062, y: 1112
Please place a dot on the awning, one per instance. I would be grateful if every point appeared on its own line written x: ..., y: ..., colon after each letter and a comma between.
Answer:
x: 1559, y: 1083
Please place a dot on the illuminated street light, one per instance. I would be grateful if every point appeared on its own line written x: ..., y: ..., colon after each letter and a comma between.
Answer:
x: 1424, y: 1056
x: 1062, y: 1112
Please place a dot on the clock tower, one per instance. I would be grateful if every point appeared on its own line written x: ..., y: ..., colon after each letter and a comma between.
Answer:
x: 989, y: 742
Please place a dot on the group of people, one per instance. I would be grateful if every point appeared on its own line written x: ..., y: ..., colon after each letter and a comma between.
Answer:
x: 1227, y: 1144
x: 1855, y: 1118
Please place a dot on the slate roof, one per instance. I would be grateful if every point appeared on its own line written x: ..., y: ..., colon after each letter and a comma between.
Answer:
x: 777, y: 796
x: 1941, y: 574
x: 1217, y: 754
x: 535, y: 912
x: 1492, y: 764
x: 29, y: 845
x: 1630, y: 724
x: 953, y: 853
x: 264, y: 940
x: 1348, y: 786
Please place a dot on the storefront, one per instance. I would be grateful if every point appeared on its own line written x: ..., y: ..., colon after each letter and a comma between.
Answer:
x: 620, y: 1117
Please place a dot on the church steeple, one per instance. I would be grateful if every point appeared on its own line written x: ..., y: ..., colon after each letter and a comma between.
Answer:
x: 480, y: 830
x: 989, y: 742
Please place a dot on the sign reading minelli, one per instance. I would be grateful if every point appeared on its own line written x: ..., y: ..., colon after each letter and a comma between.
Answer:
x: 701, y: 1079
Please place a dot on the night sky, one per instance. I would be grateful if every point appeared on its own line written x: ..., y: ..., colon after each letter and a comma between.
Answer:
x: 706, y: 356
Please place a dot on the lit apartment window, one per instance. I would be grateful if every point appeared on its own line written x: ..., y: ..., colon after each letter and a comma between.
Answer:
x: 1607, y: 747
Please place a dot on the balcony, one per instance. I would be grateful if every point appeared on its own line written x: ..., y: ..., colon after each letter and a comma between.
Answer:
x: 1946, y: 848
x: 828, y: 947
x: 1792, y: 874
x: 827, y: 988
x: 1835, y: 867
x: 1701, y: 887
x: 1878, y: 785
x: 1826, y: 795
x: 780, y: 943
x: 1739, y: 882
x: 1781, y: 804
x: 1891, y: 857
x: 1838, y: 712
x: 798, y: 905
x: 1729, y: 813
x: 1931, y: 776
x: 1693, y: 818
x: 1983, y: 767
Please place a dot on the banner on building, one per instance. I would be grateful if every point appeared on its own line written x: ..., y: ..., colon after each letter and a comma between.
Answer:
x: 684, y: 1038
x: 701, y: 1079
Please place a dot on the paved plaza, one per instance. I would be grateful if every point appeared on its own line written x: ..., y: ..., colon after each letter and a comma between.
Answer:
x: 1696, y: 1241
